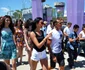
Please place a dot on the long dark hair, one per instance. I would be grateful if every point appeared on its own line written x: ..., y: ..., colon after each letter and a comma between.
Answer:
x: 19, y: 21
x: 3, y: 65
x: 35, y: 22
x: 27, y: 24
x: 11, y: 26
x: 1, y: 23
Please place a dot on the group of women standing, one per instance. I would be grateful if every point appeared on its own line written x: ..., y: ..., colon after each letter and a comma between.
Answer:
x: 14, y: 37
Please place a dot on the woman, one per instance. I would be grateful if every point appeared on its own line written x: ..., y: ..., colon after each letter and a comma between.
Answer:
x: 82, y: 40
x: 38, y: 52
x: 8, y: 47
x: 1, y: 22
x: 27, y: 29
x: 19, y: 38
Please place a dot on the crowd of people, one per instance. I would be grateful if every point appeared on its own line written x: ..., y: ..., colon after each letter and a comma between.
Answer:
x: 37, y: 35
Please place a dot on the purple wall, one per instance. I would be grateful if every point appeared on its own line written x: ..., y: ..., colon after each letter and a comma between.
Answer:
x: 84, y: 17
x: 37, y: 9
x: 49, y: 14
x: 75, y: 12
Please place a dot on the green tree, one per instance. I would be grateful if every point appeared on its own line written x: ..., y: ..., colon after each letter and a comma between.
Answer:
x: 53, y: 13
x: 17, y: 14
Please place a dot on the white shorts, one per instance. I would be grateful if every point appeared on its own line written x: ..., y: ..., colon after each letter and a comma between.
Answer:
x: 37, y: 56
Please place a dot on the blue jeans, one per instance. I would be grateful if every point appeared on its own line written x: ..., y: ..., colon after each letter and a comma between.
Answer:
x: 72, y: 55
x: 81, y: 47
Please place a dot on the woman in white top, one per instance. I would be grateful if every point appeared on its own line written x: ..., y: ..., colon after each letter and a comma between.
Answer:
x: 82, y: 40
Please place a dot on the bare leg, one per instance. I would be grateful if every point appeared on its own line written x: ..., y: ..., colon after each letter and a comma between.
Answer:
x: 21, y: 54
x: 44, y: 63
x: 33, y: 65
x: 13, y: 64
x: 29, y: 55
x: 61, y: 67
x: 18, y: 54
x: 7, y: 61
x: 29, y: 52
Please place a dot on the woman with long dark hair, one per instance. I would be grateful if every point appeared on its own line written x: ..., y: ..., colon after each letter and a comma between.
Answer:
x: 19, y: 38
x: 1, y: 22
x: 38, y: 52
x: 8, y: 47
x: 27, y: 27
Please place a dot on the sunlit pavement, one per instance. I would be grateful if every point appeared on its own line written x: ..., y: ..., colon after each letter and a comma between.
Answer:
x: 79, y: 65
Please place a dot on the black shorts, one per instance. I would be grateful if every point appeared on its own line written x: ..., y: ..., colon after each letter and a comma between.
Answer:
x: 60, y: 60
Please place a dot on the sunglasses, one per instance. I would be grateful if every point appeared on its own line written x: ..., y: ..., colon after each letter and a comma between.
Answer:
x: 7, y: 20
x: 61, y: 23
x: 42, y: 23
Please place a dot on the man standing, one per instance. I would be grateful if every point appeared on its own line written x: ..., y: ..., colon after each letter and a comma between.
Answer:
x: 49, y: 27
x: 55, y: 46
x: 72, y: 45
x: 66, y: 32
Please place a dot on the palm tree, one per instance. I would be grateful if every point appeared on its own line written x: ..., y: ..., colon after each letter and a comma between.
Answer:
x: 17, y: 14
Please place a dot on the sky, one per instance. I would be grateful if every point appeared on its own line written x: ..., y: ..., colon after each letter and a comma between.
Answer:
x: 7, y: 5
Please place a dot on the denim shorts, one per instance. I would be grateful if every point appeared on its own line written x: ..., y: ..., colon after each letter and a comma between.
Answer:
x: 37, y: 56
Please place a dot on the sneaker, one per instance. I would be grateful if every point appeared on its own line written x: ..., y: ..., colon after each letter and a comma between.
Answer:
x: 75, y: 61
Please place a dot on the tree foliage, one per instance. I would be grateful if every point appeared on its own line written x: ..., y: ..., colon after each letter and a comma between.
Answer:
x: 17, y: 14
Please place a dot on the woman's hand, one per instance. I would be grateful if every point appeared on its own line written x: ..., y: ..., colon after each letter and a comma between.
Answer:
x: 28, y: 48
x: 49, y: 35
x: 54, y: 58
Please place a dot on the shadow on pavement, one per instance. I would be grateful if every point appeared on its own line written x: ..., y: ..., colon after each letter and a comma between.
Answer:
x: 80, y: 64
x: 52, y: 69
x: 67, y: 67
x: 23, y: 63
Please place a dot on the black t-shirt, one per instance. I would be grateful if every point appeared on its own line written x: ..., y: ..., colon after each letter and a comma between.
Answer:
x: 39, y: 38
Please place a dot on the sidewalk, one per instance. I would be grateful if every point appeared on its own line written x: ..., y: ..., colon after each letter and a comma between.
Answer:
x: 80, y: 65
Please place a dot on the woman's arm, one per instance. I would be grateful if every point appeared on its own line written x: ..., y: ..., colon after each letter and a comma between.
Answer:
x: 14, y: 39
x: 26, y: 39
x: 49, y: 41
x: 14, y: 36
x: 75, y: 39
x: 65, y: 34
x: 35, y: 41
x: 80, y: 37
x: 48, y: 44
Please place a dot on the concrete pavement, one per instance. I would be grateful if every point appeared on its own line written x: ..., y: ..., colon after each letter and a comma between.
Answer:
x: 80, y: 65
